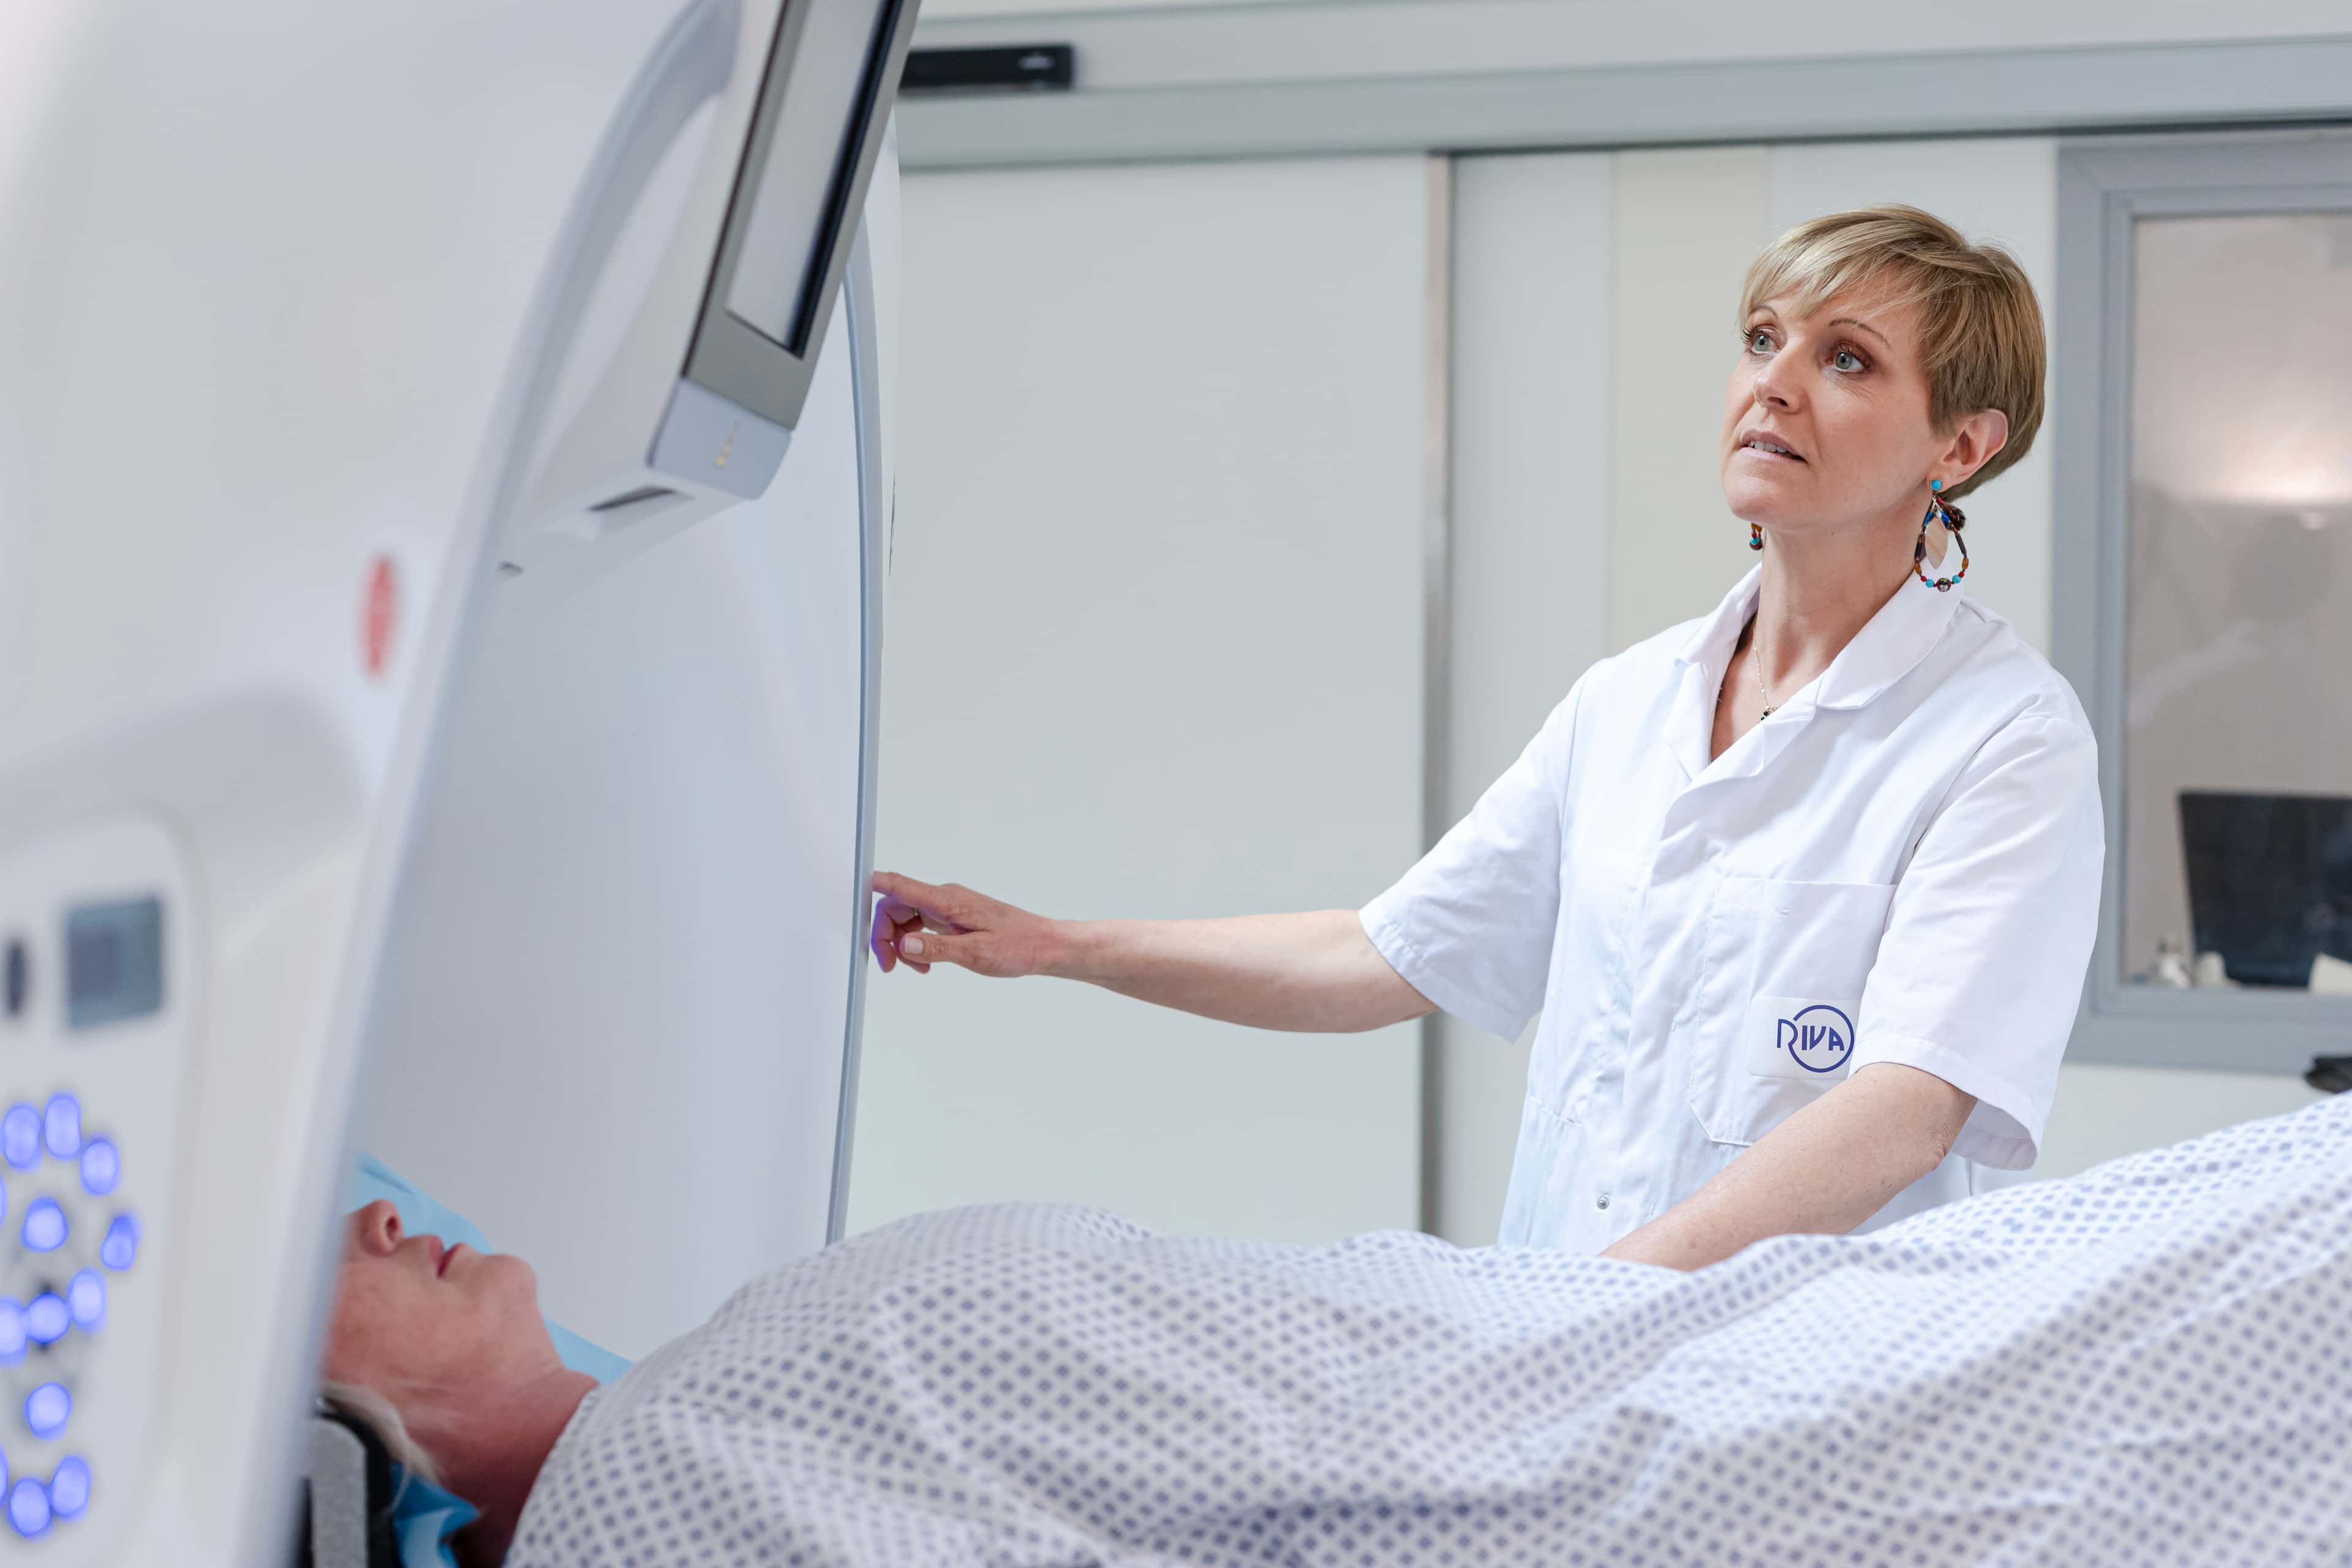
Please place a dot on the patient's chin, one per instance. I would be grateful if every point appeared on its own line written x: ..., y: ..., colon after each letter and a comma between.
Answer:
x: 511, y: 1279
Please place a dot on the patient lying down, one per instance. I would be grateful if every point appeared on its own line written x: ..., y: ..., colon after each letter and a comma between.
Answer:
x: 2142, y: 1365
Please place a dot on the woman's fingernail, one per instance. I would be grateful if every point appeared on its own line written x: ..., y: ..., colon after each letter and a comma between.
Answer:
x: 912, y: 946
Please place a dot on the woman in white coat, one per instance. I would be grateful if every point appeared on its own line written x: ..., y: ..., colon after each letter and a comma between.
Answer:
x: 1804, y: 889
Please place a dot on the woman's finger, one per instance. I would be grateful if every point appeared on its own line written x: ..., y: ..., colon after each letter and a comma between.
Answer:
x: 934, y: 947
x: 911, y: 894
x: 892, y: 922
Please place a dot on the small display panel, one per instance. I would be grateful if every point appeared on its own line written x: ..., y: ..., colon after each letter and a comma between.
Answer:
x: 114, y: 962
x: 797, y: 205
x: 2270, y: 881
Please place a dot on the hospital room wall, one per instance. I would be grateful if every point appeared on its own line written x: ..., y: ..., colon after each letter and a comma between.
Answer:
x: 1662, y: 239
x: 1154, y: 647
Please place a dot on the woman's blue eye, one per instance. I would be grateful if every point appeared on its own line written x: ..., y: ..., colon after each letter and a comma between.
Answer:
x: 1759, y: 342
x: 1847, y: 360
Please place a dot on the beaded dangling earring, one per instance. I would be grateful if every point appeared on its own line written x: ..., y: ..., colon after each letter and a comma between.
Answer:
x: 1755, y: 536
x: 1952, y: 521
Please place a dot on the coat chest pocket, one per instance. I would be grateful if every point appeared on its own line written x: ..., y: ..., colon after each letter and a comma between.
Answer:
x: 1772, y: 1026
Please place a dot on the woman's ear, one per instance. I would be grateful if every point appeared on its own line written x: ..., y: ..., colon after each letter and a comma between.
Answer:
x: 1974, y: 441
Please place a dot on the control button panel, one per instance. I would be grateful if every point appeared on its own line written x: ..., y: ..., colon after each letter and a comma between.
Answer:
x: 75, y: 1236
x: 94, y: 956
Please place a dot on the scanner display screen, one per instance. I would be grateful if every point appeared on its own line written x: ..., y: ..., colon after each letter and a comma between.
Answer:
x: 797, y: 203
x: 114, y: 962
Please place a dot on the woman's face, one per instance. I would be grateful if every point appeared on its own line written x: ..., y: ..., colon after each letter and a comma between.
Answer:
x: 428, y: 1326
x: 1826, y: 424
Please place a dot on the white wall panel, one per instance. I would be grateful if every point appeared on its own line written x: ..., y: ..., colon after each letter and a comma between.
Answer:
x: 1533, y: 286
x: 1687, y: 224
x: 1154, y: 648
x: 2105, y: 1110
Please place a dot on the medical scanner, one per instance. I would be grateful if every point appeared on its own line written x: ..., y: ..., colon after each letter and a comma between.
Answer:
x: 443, y: 504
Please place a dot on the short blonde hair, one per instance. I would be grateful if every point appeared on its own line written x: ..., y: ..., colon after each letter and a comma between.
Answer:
x: 1980, y: 326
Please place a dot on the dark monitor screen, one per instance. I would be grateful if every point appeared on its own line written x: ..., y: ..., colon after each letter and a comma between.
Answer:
x: 2270, y: 880
x: 114, y: 962
x: 831, y: 77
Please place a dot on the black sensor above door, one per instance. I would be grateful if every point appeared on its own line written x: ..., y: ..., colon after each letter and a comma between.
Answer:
x: 1029, y: 68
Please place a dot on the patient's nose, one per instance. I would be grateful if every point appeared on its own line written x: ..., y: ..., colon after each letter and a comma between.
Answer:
x: 376, y: 1227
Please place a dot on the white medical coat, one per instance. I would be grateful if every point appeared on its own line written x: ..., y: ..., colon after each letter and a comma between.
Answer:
x: 1902, y: 864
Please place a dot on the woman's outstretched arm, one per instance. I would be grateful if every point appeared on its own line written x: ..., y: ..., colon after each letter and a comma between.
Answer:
x: 1316, y: 972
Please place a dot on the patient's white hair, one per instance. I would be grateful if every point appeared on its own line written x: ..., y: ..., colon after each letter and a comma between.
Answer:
x: 359, y: 1403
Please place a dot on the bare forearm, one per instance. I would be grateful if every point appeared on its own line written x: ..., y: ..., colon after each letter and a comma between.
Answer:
x: 1314, y: 972
x: 1307, y: 972
x: 1824, y: 1170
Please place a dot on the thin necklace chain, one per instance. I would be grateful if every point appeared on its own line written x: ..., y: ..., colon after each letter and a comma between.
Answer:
x: 1756, y: 655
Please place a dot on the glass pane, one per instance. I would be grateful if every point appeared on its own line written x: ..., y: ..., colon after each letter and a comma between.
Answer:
x: 2238, y: 746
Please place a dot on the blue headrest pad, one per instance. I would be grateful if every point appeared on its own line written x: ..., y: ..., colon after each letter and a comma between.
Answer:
x: 423, y: 1518
x: 420, y: 1215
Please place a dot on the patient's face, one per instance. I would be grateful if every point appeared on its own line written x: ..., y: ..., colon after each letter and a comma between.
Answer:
x: 418, y: 1322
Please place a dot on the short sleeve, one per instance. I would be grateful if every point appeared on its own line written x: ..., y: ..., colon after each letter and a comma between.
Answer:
x: 1979, y: 974
x: 1470, y: 927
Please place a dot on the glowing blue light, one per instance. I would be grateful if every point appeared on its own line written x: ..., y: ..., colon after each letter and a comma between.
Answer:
x: 61, y: 1126
x: 46, y: 1319
x: 122, y: 1242
x: 70, y: 1488
x: 28, y: 1507
x: 47, y: 1408
x: 45, y: 1225
x: 101, y: 1167
x: 20, y: 1137
x: 86, y: 1298
x: 13, y: 1338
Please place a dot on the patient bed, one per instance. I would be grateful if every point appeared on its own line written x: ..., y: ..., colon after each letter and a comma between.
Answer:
x: 2137, y: 1365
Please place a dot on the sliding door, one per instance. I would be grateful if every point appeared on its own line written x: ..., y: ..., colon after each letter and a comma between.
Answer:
x: 1154, y: 647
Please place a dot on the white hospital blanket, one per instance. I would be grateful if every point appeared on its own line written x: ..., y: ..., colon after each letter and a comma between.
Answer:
x: 2143, y: 1365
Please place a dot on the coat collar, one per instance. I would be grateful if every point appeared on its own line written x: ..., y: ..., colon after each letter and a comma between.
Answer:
x: 1890, y: 645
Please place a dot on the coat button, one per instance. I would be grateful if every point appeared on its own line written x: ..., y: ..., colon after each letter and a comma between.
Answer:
x: 1601, y: 1201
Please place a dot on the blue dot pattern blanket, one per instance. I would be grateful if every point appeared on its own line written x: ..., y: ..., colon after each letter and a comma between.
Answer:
x: 2145, y: 1364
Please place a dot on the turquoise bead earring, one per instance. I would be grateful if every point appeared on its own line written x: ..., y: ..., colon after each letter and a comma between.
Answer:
x: 1952, y: 521
x: 1755, y: 536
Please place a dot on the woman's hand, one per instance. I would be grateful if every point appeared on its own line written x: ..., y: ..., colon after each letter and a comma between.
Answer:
x: 920, y: 925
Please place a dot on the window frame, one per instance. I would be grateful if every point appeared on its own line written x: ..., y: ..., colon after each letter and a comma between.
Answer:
x: 2104, y: 184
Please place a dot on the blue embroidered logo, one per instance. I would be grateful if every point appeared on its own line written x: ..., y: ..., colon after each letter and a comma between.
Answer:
x: 1818, y: 1039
